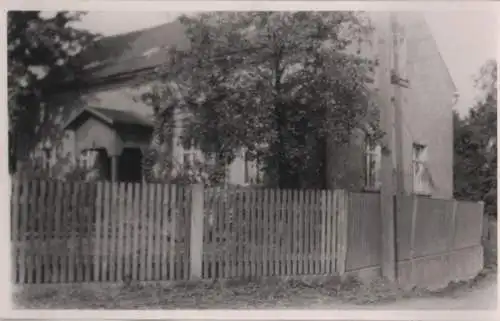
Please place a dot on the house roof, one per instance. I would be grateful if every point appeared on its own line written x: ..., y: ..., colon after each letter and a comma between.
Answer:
x: 146, y: 49
x: 108, y: 116
x: 129, y: 52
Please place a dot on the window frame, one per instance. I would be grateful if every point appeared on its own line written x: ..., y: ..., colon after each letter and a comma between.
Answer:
x: 372, y: 152
x: 420, y: 159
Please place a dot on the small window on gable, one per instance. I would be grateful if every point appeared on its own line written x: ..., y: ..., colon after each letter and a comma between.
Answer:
x: 421, y: 178
x: 399, y: 75
x: 373, y: 158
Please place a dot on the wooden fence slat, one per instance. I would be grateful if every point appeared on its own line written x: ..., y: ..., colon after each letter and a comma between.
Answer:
x: 77, y: 219
x: 23, y: 230
x: 285, y: 223
x: 275, y: 237
x: 213, y: 241
x: 105, y: 232
x: 214, y: 247
x: 80, y: 215
x: 245, y: 237
x: 222, y: 246
x: 332, y: 242
x: 164, y: 250
x: 288, y: 241
x: 278, y: 228
x: 207, y: 220
x: 251, y: 229
x: 56, y: 257
x: 129, y: 219
x: 229, y: 256
x: 312, y: 215
x: 277, y: 232
x: 173, y: 229
x: 39, y: 232
x: 97, y: 262
x: 314, y: 225
x: 150, y: 232
x: 71, y: 214
x: 341, y: 201
x: 136, y: 234
x: 89, y: 224
x: 49, y: 268
x: 90, y: 198
x: 185, y: 229
x: 252, y: 233
x: 158, y: 231
x: 115, y: 221
x: 308, y: 215
x: 142, y: 232
x: 324, y: 237
x: 65, y: 231
x: 121, y: 222
x: 264, y: 227
x: 30, y: 244
x: 272, y: 212
x: 302, y: 233
x: 294, y: 238
x: 178, y: 233
x: 238, y: 257
x: 257, y: 202
x: 312, y: 241
x: 15, y: 248
x: 317, y: 232
x: 321, y: 228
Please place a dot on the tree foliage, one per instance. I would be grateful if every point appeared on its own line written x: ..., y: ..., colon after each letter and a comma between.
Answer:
x: 475, y: 167
x: 272, y: 84
x: 41, y: 55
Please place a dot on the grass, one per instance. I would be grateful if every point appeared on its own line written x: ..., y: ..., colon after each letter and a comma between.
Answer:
x: 235, y: 294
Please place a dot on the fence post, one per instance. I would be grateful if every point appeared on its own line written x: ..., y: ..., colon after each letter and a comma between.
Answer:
x: 483, y: 221
x: 196, y: 237
x: 451, y: 240
x: 413, y: 226
x: 341, y: 208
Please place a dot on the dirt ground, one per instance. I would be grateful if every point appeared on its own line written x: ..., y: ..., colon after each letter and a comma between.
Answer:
x: 476, y: 295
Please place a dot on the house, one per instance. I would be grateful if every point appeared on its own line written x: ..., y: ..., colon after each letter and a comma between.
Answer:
x: 114, y: 126
x: 427, y: 98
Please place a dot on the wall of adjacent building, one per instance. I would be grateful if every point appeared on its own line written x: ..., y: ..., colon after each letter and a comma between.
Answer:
x: 426, y: 112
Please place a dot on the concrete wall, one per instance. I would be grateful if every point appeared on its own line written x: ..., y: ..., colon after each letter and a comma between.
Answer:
x: 438, y: 241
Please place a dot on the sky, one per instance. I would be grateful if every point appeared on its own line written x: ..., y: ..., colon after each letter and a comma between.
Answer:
x: 466, y: 39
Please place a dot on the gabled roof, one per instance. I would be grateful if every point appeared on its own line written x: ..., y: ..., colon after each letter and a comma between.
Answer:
x: 108, y: 116
x: 147, y: 48
x: 129, y: 52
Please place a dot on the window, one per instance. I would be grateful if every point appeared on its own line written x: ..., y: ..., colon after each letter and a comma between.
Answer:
x: 46, y: 158
x: 187, y: 161
x: 246, y: 168
x: 399, y: 75
x: 372, y: 164
x: 420, y: 179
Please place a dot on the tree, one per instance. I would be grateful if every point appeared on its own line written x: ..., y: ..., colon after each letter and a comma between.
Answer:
x: 273, y: 85
x: 42, y: 52
x: 475, y: 167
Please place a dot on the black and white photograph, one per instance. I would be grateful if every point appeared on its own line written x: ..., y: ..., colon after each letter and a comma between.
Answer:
x: 253, y: 159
